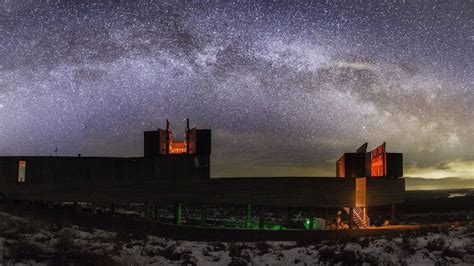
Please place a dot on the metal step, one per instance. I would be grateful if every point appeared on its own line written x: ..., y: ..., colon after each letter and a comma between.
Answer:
x: 357, y: 217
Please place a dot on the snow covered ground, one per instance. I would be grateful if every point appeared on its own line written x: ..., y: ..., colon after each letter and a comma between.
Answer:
x: 32, y: 242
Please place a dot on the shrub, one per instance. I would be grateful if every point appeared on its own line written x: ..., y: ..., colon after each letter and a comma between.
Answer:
x: 235, y: 250
x: 65, y: 241
x: 262, y: 248
x: 238, y: 262
x: 435, y: 244
x: 173, y: 253
x: 79, y: 257
x: 22, y: 250
x: 453, y: 253
x: 327, y: 254
x: 216, y: 246
x: 348, y: 257
x: 364, y: 242
x: 123, y: 237
x: 408, y: 244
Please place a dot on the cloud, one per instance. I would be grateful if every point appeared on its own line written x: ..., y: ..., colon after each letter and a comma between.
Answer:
x: 354, y: 65
x: 435, y: 184
x: 455, y: 168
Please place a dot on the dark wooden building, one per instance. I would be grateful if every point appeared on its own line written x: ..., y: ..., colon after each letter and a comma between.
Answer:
x: 376, y: 163
x: 179, y: 171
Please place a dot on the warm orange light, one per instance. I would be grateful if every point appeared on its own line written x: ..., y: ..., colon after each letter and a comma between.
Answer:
x: 378, y: 161
x: 178, y: 147
x: 21, y: 171
x: 377, y: 167
x: 360, y: 192
x: 340, y: 168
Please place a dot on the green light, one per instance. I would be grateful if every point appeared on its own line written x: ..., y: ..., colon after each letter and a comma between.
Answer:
x: 306, y: 223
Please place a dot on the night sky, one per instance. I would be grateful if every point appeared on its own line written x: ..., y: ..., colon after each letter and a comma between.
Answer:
x: 285, y: 87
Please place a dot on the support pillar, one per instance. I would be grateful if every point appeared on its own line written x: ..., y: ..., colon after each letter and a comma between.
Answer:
x: 261, y: 218
x: 311, y: 219
x: 203, y: 215
x: 112, y: 209
x: 364, y: 209
x: 177, y: 213
x: 351, y: 218
x: 393, y: 216
x: 146, y: 210
x: 155, y: 212
x: 75, y: 206
x: 248, y: 216
x: 94, y: 208
x: 289, y: 217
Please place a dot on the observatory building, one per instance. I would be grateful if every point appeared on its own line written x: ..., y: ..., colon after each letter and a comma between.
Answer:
x: 188, y: 158
x: 178, y: 171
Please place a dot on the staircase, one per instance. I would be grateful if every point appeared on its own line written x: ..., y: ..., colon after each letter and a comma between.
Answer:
x: 358, y: 217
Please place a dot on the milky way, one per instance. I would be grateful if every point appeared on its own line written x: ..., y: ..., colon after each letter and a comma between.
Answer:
x: 286, y: 88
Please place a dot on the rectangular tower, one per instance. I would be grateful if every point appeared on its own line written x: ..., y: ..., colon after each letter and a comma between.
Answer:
x: 180, y: 159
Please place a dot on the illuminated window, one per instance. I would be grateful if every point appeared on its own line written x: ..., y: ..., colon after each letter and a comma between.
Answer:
x: 21, y: 171
x: 178, y: 147
x: 378, y: 161
x: 377, y: 167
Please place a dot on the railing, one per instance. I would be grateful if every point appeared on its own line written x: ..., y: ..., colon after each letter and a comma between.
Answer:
x: 358, y: 217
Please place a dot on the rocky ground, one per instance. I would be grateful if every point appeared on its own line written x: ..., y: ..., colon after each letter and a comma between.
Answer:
x: 35, y: 243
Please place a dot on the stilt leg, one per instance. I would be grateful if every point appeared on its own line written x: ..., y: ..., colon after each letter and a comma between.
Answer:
x: 289, y: 217
x: 146, y: 210
x: 261, y: 218
x: 203, y: 215
x: 393, y: 218
x: 248, y: 217
x: 351, y: 218
x: 364, y: 215
x: 76, y: 206
x: 155, y: 212
x: 311, y: 219
x: 177, y: 213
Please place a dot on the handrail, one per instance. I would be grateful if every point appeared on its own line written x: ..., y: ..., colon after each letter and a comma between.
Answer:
x: 358, y: 216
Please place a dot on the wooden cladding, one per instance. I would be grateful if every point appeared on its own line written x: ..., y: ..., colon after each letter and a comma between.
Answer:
x: 351, y: 165
x: 362, y: 165
x: 268, y: 191
x: 361, y: 192
x: 51, y: 169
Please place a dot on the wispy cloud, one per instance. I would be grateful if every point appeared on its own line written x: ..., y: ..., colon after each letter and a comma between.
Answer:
x: 435, y: 184
x: 456, y: 168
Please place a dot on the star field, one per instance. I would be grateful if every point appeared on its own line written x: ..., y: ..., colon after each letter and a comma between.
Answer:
x: 285, y: 87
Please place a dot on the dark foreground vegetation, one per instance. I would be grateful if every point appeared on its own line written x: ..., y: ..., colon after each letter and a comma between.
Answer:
x: 54, y: 240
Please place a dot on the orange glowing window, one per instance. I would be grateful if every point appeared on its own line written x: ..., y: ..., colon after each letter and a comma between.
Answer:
x: 178, y: 147
x: 376, y: 167
x: 21, y: 171
x: 378, y: 161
